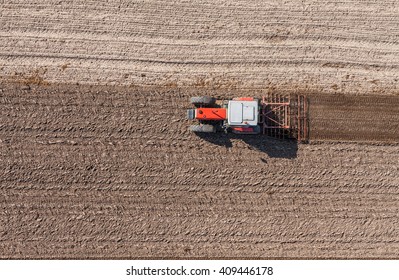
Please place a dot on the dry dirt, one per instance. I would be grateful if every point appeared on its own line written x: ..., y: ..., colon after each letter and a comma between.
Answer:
x: 349, y: 47
x: 106, y: 172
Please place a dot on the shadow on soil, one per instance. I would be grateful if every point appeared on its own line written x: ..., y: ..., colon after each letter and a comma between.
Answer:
x: 274, y: 148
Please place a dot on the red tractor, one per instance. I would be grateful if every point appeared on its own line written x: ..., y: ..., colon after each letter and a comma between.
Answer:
x: 240, y: 115
x: 281, y: 116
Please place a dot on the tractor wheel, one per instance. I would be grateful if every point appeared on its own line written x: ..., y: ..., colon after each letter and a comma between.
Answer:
x: 205, y: 128
x: 202, y: 100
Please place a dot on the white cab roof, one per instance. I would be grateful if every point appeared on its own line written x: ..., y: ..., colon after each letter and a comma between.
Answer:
x: 243, y: 113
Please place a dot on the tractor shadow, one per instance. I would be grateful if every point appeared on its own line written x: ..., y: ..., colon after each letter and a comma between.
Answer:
x: 274, y: 148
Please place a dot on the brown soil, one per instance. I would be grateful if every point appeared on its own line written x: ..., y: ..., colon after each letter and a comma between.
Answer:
x: 102, y: 172
x: 354, y: 118
x: 112, y: 172
x: 347, y: 47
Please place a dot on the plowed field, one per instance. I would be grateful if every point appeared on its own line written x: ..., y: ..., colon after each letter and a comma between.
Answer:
x: 348, y: 46
x: 96, y: 160
x: 106, y: 172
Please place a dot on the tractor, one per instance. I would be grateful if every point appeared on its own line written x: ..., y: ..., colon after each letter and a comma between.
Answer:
x: 239, y: 115
x: 275, y: 115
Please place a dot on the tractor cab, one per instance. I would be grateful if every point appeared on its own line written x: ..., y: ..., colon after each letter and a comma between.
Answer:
x: 242, y: 112
x: 243, y: 115
x: 240, y: 115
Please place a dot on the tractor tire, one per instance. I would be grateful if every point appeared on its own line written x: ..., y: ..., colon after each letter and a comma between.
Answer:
x: 202, y: 100
x: 205, y: 128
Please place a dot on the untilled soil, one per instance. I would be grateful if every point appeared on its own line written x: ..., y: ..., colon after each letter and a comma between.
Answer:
x: 348, y: 47
x: 101, y: 172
